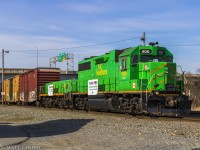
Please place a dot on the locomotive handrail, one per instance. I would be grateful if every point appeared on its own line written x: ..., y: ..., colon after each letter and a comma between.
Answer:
x: 150, y: 81
x: 141, y: 80
x: 183, y: 76
x: 148, y: 85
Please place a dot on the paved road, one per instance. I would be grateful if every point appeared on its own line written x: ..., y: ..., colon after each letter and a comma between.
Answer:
x: 11, y: 135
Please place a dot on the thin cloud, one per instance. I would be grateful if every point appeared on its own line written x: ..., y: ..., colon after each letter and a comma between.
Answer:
x: 21, y: 56
x: 29, y: 41
x: 54, y: 27
x: 83, y: 8
x: 163, y: 22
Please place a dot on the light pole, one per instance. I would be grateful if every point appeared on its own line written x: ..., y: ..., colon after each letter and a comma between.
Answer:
x: 3, y: 93
x: 37, y: 57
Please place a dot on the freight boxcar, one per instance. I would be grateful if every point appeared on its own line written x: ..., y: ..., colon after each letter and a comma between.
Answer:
x: 15, y: 96
x: 7, y: 90
x: 11, y: 89
x: 31, y: 81
x: 0, y: 91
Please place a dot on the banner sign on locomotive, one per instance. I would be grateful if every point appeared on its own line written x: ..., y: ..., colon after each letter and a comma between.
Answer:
x: 93, y: 87
x: 50, y: 90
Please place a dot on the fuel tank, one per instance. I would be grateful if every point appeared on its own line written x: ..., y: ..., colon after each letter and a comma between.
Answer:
x: 100, y: 102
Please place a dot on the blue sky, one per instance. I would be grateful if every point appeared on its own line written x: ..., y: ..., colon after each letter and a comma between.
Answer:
x: 58, y: 25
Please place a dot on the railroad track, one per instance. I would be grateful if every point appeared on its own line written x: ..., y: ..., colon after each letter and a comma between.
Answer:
x: 194, y: 117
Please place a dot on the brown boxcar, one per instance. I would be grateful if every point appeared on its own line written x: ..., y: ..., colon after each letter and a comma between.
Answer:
x: 0, y: 91
x: 31, y: 81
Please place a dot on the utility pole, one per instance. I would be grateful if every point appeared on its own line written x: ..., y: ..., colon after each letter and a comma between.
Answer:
x: 70, y: 62
x: 37, y: 57
x: 143, y: 38
x: 3, y: 93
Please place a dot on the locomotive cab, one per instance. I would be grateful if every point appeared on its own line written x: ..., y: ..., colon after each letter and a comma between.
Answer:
x: 150, y: 72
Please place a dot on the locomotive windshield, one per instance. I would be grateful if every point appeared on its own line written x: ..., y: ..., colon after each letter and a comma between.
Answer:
x: 145, y: 58
x: 134, y: 59
x: 123, y: 64
x: 148, y: 58
x: 158, y: 59
x: 169, y: 59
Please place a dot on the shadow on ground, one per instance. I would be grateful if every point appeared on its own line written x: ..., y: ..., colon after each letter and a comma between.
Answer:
x: 49, y: 128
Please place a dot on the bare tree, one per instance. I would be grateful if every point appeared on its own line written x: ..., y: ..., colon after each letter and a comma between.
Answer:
x: 193, y: 85
x: 198, y: 71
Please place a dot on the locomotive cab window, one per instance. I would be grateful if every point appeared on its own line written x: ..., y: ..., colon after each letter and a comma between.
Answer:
x: 123, y: 64
x: 84, y: 66
x: 169, y: 59
x: 155, y: 60
x: 158, y: 59
x: 134, y: 59
x: 145, y: 58
x: 151, y: 58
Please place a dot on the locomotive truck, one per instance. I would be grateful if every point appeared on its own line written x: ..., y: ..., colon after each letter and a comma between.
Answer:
x: 135, y: 80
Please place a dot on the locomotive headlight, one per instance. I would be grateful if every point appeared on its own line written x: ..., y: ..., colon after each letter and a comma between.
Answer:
x: 146, y: 67
x: 157, y: 92
x: 184, y: 93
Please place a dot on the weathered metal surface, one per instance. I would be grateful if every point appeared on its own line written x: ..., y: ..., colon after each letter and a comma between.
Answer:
x: 12, y: 72
x: 7, y: 90
x: 15, y: 95
x: 33, y: 79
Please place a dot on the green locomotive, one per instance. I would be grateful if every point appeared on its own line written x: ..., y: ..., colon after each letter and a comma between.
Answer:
x: 140, y: 79
x: 54, y: 94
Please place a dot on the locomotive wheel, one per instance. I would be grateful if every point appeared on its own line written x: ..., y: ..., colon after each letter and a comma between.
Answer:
x: 137, y: 106
x: 125, y: 105
x: 86, y: 107
x: 18, y: 103
x: 37, y: 103
x: 50, y: 104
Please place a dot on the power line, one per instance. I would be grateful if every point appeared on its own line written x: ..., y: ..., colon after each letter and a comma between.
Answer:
x: 34, y: 55
x: 91, y: 45
x: 29, y: 55
x: 182, y: 45
x: 78, y: 46
x: 77, y: 54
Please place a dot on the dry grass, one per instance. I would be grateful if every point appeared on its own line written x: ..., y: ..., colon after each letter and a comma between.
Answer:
x: 196, y: 108
x: 193, y: 85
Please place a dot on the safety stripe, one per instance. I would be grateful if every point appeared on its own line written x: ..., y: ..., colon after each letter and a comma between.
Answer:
x: 170, y: 78
x: 154, y: 77
x: 119, y: 92
x: 156, y: 69
x: 56, y: 94
x: 135, y: 92
x: 171, y: 68
x: 161, y: 82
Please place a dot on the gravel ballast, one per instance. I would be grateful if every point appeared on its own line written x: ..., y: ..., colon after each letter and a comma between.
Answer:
x: 74, y: 130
